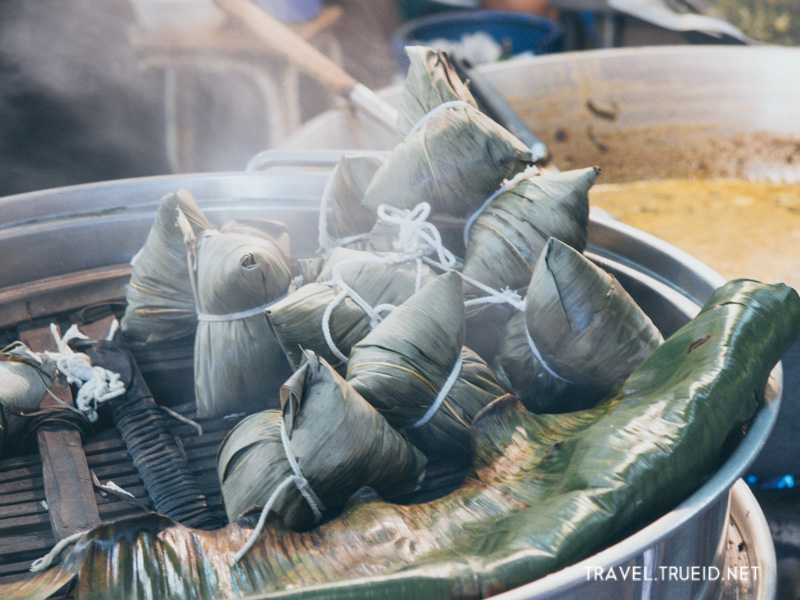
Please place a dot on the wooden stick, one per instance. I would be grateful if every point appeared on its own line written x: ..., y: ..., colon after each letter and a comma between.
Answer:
x: 67, y: 482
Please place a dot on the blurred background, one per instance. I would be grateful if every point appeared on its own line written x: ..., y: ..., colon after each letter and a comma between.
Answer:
x: 93, y: 91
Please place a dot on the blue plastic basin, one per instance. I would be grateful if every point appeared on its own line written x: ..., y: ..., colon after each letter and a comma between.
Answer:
x: 522, y: 32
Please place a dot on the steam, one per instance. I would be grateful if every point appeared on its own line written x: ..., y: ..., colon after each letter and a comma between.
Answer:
x: 79, y: 104
x: 74, y: 107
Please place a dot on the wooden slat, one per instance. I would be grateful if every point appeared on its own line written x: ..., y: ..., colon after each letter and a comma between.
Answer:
x: 67, y: 483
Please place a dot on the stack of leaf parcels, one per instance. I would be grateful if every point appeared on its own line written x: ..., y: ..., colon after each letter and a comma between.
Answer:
x: 300, y: 319
x: 581, y: 335
x: 403, y: 366
x: 453, y: 156
x: 25, y: 377
x: 340, y: 444
x: 160, y: 300
x: 505, y: 238
x: 238, y: 362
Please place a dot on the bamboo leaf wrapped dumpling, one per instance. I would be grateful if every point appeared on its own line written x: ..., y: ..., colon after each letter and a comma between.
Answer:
x: 25, y: 377
x: 414, y: 369
x: 341, y: 303
x: 580, y: 336
x: 344, y: 193
x: 338, y: 441
x: 506, y: 237
x: 160, y: 300
x: 431, y: 80
x: 455, y: 160
x: 238, y: 363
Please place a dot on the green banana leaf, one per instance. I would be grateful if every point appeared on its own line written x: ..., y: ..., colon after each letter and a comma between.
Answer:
x: 546, y: 491
x: 238, y: 363
x: 455, y: 161
x: 25, y: 377
x: 510, y: 233
x: 431, y: 80
x: 160, y: 300
x: 297, y: 320
x: 340, y: 442
x: 402, y: 365
x: 580, y: 337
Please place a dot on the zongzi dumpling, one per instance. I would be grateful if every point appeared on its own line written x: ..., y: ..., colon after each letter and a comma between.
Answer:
x: 349, y: 217
x: 454, y: 161
x: 431, y: 80
x: 25, y: 377
x: 338, y: 442
x: 580, y: 337
x: 414, y: 369
x: 238, y: 363
x: 348, y: 299
x: 160, y: 300
x: 508, y: 235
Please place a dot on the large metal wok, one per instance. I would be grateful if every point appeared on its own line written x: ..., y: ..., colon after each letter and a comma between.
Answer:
x: 638, y: 113
x: 68, y: 247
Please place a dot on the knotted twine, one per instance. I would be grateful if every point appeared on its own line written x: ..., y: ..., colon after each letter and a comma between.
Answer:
x: 299, y: 481
x: 96, y: 384
x: 416, y: 238
x: 325, y: 239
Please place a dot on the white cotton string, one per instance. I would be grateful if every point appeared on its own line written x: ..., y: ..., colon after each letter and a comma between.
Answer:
x: 528, y: 173
x: 494, y: 296
x: 448, y: 385
x: 182, y: 419
x: 538, y: 356
x: 435, y: 111
x: 326, y: 324
x: 416, y: 233
x: 96, y: 384
x: 236, y: 316
x: 263, y: 518
x: 346, y: 291
x: 302, y: 485
x: 40, y: 564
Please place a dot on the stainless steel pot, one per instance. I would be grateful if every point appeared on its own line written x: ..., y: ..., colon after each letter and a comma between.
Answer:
x: 638, y: 113
x: 68, y: 247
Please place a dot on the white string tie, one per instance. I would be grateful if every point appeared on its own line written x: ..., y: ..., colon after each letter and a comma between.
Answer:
x: 96, y: 384
x: 538, y: 356
x: 435, y: 111
x: 302, y: 485
x: 528, y: 173
x: 415, y: 233
x: 345, y: 291
x: 236, y: 316
x: 40, y: 564
x: 448, y: 385
x: 507, y: 295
